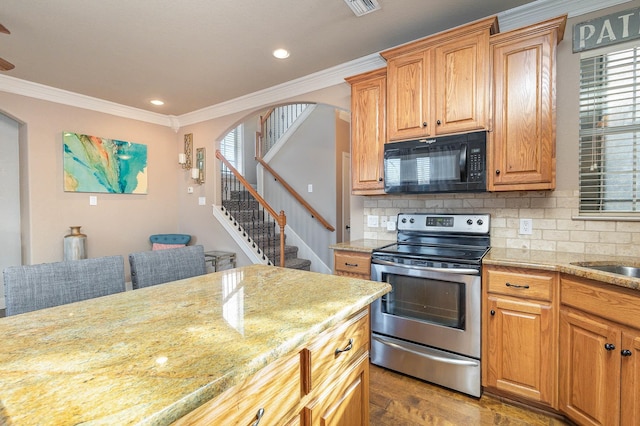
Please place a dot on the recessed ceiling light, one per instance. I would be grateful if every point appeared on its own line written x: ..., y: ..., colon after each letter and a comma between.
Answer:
x: 281, y: 53
x: 157, y: 102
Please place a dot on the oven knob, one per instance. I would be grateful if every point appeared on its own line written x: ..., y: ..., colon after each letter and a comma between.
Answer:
x: 469, y: 222
x: 412, y: 220
x: 404, y: 220
x: 479, y: 222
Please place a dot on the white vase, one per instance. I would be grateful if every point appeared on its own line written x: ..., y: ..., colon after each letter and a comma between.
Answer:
x: 75, y: 245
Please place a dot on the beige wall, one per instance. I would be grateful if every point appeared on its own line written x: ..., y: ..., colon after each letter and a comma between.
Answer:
x: 120, y: 223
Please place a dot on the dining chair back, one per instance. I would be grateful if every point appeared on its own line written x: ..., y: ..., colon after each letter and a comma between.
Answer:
x: 160, y: 266
x: 32, y: 287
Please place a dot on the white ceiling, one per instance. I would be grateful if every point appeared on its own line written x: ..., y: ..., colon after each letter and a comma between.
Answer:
x: 196, y: 53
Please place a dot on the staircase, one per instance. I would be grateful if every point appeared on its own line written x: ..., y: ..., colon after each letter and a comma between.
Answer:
x: 259, y: 229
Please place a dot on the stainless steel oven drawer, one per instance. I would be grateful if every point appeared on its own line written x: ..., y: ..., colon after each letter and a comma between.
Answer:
x: 443, y: 368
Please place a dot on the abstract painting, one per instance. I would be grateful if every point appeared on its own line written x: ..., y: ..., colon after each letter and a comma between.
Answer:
x: 95, y: 164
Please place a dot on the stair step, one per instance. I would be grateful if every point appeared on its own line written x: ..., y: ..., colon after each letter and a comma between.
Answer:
x: 297, y: 263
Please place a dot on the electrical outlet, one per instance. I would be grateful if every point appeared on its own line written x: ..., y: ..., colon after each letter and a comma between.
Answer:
x: 372, y: 221
x: 189, y: 189
x: 309, y: 188
x: 526, y: 226
x: 202, y: 201
x: 93, y: 200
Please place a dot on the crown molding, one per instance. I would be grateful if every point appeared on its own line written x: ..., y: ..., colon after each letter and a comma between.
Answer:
x: 309, y: 83
x: 521, y: 16
x: 46, y: 93
x: 542, y: 10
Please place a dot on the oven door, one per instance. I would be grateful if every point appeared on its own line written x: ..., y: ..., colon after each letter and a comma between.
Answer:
x: 437, y: 307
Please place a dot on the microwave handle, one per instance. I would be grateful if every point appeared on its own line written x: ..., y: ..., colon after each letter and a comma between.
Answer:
x: 463, y: 163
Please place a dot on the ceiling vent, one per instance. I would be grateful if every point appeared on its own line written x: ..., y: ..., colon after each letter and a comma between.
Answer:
x: 362, y: 7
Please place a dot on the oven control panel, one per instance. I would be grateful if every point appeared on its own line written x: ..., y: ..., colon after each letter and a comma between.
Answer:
x: 444, y: 223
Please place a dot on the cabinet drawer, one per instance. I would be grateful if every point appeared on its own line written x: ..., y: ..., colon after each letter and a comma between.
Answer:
x: 616, y: 304
x: 332, y: 352
x: 352, y: 263
x: 276, y: 389
x: 527, y: 284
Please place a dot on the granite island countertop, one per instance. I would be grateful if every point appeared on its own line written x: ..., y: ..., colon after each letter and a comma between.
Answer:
x: 151, y: 355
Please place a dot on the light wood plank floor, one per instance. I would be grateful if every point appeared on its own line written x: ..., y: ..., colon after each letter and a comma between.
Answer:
x: 399, y: 400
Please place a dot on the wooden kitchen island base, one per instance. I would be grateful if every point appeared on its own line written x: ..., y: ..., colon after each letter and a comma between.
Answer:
x: 326, y: 382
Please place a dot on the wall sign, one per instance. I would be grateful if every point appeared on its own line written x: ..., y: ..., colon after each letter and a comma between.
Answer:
x: 606, y: 30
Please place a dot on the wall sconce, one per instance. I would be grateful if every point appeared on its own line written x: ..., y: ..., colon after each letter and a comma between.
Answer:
x: 184, y: 158
x: 197, y: 173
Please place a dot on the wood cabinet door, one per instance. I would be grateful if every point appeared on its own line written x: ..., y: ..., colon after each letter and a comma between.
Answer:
x: 368, y: 135
x: 408, y: 99
x: 521, y: 348
x: 346, y: 403
x: 589, y: 373
x: 630, y: 391
x: 522, y: 145
x: 461, y: 84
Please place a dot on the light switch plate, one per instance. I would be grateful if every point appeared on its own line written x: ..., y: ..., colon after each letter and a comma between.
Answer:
x: 391, y: 225
x: 202, y: 201
x: 93, y: 200
x: 189, y: 189
x: 372, y: 221
x: 310, y: 188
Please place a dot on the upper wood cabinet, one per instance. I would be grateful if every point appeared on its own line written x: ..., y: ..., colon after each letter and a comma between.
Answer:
x: 438, y: 85
x: 522, y: 152
x: 368, y: 134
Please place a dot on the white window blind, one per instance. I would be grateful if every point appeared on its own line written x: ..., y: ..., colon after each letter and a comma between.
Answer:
x: 231, y: 147
x: 609, y: 168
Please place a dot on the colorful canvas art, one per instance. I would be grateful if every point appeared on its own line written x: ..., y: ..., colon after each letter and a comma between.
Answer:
x: 95, y: 164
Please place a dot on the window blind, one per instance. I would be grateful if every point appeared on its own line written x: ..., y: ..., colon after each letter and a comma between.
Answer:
x: 609, y: 132
x: 231, y: 147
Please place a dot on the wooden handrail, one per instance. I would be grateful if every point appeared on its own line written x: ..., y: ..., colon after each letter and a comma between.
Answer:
x: 297, y: 196
x: 280, y: 218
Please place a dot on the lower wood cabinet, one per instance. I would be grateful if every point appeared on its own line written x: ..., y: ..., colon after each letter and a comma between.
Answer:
x: 325, y: 383
x: 599, y: 353
x: 520, y: 334
x: 352, y: 264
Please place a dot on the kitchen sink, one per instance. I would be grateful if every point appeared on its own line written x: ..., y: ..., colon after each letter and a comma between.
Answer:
x: 628, y: 271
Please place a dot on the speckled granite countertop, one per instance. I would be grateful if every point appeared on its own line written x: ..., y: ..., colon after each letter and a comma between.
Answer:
x: 569, y: 263
x: 364, y: 246
x: 151, y: 355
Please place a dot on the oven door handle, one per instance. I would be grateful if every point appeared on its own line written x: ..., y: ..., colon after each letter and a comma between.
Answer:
x: 426, y: 355
x: 460, y: 271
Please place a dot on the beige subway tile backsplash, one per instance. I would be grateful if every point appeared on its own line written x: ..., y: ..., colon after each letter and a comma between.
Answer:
x: 554, y: 226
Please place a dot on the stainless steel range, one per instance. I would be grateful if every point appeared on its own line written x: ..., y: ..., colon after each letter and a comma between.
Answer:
x: 428, y: 326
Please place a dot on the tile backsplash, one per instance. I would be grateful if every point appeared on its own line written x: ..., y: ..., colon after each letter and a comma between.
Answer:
x: 552, y: 212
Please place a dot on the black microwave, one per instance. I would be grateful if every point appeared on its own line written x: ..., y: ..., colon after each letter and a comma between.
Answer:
x: 455, y: 163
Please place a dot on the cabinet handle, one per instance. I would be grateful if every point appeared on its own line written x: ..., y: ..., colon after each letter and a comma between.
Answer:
x: 497, y: 172
x: 345, y: 349
x: 355, y: 265
x: 517, y: 285
x: 424, y: 124
x: 625, y: 352
x: 492, y: 312
x: 609, y: 346
x: 438, y: 122
x: 259, y: 415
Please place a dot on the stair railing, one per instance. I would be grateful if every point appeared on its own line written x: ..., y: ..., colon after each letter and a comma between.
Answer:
x: 233, y: 182
x: 294, y: 194
x: 275, y: 123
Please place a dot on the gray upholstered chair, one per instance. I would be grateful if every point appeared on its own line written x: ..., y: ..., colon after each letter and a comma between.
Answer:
x: 160, y: 266
x: 32, y: 287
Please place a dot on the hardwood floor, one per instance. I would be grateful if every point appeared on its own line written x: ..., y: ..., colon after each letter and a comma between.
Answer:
x: 398, y: 400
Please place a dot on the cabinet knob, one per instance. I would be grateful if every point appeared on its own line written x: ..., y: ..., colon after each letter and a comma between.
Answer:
x: 492, y: 312
x: 609, y: 346
x: 380, y: 179
x: 438, y: 122
x: 497, y: 172
x: 625, y: 352
x: 424, y: 124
